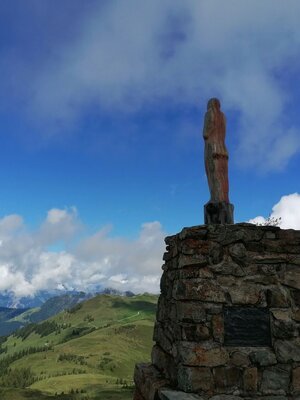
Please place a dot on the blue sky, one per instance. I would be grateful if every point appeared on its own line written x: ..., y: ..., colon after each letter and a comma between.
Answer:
x: 101, y: 113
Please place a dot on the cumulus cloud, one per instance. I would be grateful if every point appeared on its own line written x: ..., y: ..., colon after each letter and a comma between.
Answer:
x: 100, y: 260
x: 131, y: 54
x: 286, y: 211
x: 59, y: 225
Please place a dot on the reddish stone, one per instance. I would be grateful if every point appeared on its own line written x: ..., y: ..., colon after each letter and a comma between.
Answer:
x: 296, y: 379
x: 250, y: 380
x: 218, y: 328
x: 202, y: 354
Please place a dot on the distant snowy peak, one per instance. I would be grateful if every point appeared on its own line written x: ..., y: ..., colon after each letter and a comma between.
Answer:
x: 116, y: 292
x: 9, y: 300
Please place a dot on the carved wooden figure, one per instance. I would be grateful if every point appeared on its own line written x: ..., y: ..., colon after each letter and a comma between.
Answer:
x: 218, y: 209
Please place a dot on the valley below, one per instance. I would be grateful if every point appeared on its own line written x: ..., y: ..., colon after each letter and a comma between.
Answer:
x: 86, y: 352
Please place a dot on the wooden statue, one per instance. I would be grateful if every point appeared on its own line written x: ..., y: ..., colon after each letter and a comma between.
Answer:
x: 218, y: 210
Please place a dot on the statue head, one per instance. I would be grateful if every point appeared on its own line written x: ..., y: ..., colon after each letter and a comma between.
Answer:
x: 214, y: 103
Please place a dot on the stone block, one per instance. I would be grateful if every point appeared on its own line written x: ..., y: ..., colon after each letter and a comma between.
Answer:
x: 195, y: 379
x: 240, y: 359
x: 268, y: 258
x: 194, y: 332
x: 216, y: 254
x: 195, y: 260
x: 287, y: 351
x: 276, y: 379
x: 204, y: 354
x: 190, y: 311
x: 148, y: 380
x: 198, y: 289
x: 195, y: 273
x: 296, y: 315
x: 165, y: 333
x: 164, y: 363
x: 198, y: 232
x: 238, y: 251
x: 292, y: 276
x: 192, y: 246
x: 263, y: 357
x: 278, y: 297
x: 284, y: 329
x: 296, y: 379
x: 217, y: 323
x: 250, y: 380
x: 228, y: 267
x: 227, y: 378
x: 246, y: 294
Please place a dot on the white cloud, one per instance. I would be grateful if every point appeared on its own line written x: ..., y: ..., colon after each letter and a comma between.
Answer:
x: 100, y: 260
x: 26, y: 264
x: 9, y: 224
x: 133, y: 53
x: 59, y: 225
x: 287, y: 211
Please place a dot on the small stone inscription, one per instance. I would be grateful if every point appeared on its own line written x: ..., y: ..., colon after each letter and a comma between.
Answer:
x: 247, y: 326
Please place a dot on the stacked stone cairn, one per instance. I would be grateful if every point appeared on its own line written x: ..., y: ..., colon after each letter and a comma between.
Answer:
x: 215, y: 276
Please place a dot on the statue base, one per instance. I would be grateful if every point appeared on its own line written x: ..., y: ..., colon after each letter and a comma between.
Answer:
x: 218, y: 213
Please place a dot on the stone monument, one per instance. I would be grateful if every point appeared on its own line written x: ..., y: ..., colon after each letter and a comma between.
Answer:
x: 218, y: 210
x: 228, y: 317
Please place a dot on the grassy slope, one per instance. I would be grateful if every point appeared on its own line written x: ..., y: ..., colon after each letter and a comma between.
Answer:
x: 122, y: 336
x: 25, y: 316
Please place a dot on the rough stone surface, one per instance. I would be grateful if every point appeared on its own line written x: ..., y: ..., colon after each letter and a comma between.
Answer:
x: 225, y: 397
x: 250, y: 380
x: 202, y: 354
x: 288, y: 351
x: 276, y: 379
x: 194, y: 379
x: 263, y: 358
x: 148, y: 381
x: 239, y: 359
x: 177, y: 395
x: 296, y: 379
x: 227, y: 378
x: 208, y: 270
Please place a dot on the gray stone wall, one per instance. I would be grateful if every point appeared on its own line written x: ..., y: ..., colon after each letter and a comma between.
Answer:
x: 207, y: 270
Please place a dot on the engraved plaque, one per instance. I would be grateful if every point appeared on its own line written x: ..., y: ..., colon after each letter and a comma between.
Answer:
x: 247, y: 326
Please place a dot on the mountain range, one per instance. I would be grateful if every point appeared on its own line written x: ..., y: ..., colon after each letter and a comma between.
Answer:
x: 15, y: 312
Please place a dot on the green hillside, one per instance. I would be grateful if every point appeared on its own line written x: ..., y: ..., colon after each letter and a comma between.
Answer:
x: 12, y: 319
x: 88, y: 352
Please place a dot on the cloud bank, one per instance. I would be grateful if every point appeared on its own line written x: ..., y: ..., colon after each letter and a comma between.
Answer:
x: 27, y: 265
x: 287, y: 210
x: 133, y: 54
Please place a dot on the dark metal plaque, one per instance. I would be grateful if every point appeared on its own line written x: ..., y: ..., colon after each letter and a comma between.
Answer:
x: 247, y: 326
